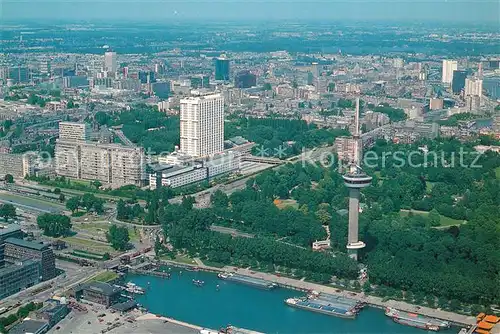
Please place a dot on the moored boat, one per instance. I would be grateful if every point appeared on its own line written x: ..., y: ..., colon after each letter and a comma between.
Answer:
x: 416, y: 320
x: 321, y: 306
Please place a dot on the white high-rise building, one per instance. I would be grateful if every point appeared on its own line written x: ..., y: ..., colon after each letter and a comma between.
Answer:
x: 74, y: 131
x: 202, y: 125
x: 110, y: 64
x: 473, y: 86
x: 448, y: 67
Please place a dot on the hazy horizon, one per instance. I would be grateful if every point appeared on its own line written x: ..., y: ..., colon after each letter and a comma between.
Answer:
x: 439, y: 11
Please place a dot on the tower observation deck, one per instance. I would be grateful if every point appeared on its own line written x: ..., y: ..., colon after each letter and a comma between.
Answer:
x: 355, y: 179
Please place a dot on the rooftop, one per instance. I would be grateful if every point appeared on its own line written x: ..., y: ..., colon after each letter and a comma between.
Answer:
x: 6, y: 229
x: 28, y: 326
x: 17, y: 266
x: 26, y: 244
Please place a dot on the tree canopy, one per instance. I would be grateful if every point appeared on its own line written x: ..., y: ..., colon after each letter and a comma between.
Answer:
x: 54, y: 225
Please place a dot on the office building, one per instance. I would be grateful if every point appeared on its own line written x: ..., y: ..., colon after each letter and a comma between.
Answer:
x: 146, y: 77
x: 186, y: 171
x: 18, y: 250
x: 101, y: 293
x: 458, y: 81
x: 177, y: 176
x: 19, y: 276
x: 19, y: 74
x: 491, y: 87
x: 200, y: 81
x: 77, y: 81
x: 474, y: 86
x: 222, y: 68
x: 70, y: 131
x: 245, y: 79
x: 8, y: 231
x: 448, y: 67
x: 161, y: 89
x: 110, y: 61
x: 202, y: 125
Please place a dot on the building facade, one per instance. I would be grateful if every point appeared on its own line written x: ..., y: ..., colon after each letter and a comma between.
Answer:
x: 222, y: 69
x: 19, y: 276
x: 202, y: 125
x: 110, y: 61
x: 74, y: 131
x: 101, y: 293
x: 474, y: 86
x: 448, y: 67
x: 18, y: 249
x: 458, y: 81
x: 109, y: 163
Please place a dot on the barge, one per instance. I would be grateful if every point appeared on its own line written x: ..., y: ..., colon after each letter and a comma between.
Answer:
x: 416, y: 320
x: 255, y: 282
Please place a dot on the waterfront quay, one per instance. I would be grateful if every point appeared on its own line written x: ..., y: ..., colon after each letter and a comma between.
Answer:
x: 290, y: 283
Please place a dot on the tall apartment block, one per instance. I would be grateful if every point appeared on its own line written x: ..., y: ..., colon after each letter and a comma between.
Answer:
x: 109, y: 163
x: 202, y: 125
x: 448, y: 67
x: 474, y: 86
x: 74, y: 131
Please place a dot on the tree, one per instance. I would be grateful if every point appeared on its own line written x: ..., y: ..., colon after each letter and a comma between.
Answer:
x: 62, y: 198
x: 54, y: 225
x: 97, y: 184
x: 73, y: 203
x: 9, y: 178
x: 267, y: 86
x: 57, y: 191
x: 219, y: 199
x: 434, y: 218
x: 118, y: 237
x: 7, y: 211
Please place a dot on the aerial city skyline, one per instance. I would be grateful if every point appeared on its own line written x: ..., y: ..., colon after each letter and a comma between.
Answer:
x: 249, y: 167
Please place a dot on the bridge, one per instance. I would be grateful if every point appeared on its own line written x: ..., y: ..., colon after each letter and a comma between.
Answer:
x: 123, y: 138
x: 264, y: 160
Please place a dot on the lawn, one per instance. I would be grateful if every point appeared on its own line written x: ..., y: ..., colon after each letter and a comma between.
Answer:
x: 445, y: 221
x: 90, y: 244
x: 179, y: 258
x: 428, y: 186
x: 497, y: 172
x: 105, y: 276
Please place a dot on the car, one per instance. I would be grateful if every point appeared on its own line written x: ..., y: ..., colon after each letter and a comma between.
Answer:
x: 58, y: 327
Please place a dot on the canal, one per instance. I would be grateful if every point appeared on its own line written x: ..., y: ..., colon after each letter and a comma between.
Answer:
x: 249, y: 307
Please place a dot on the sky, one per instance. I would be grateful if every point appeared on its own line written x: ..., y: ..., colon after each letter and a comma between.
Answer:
x: 471, y: 11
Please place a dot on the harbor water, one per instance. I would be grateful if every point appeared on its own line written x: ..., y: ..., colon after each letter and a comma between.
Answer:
x: 249, y: 307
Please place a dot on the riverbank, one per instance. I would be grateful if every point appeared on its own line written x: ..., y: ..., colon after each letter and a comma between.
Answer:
x: 454, y: 318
